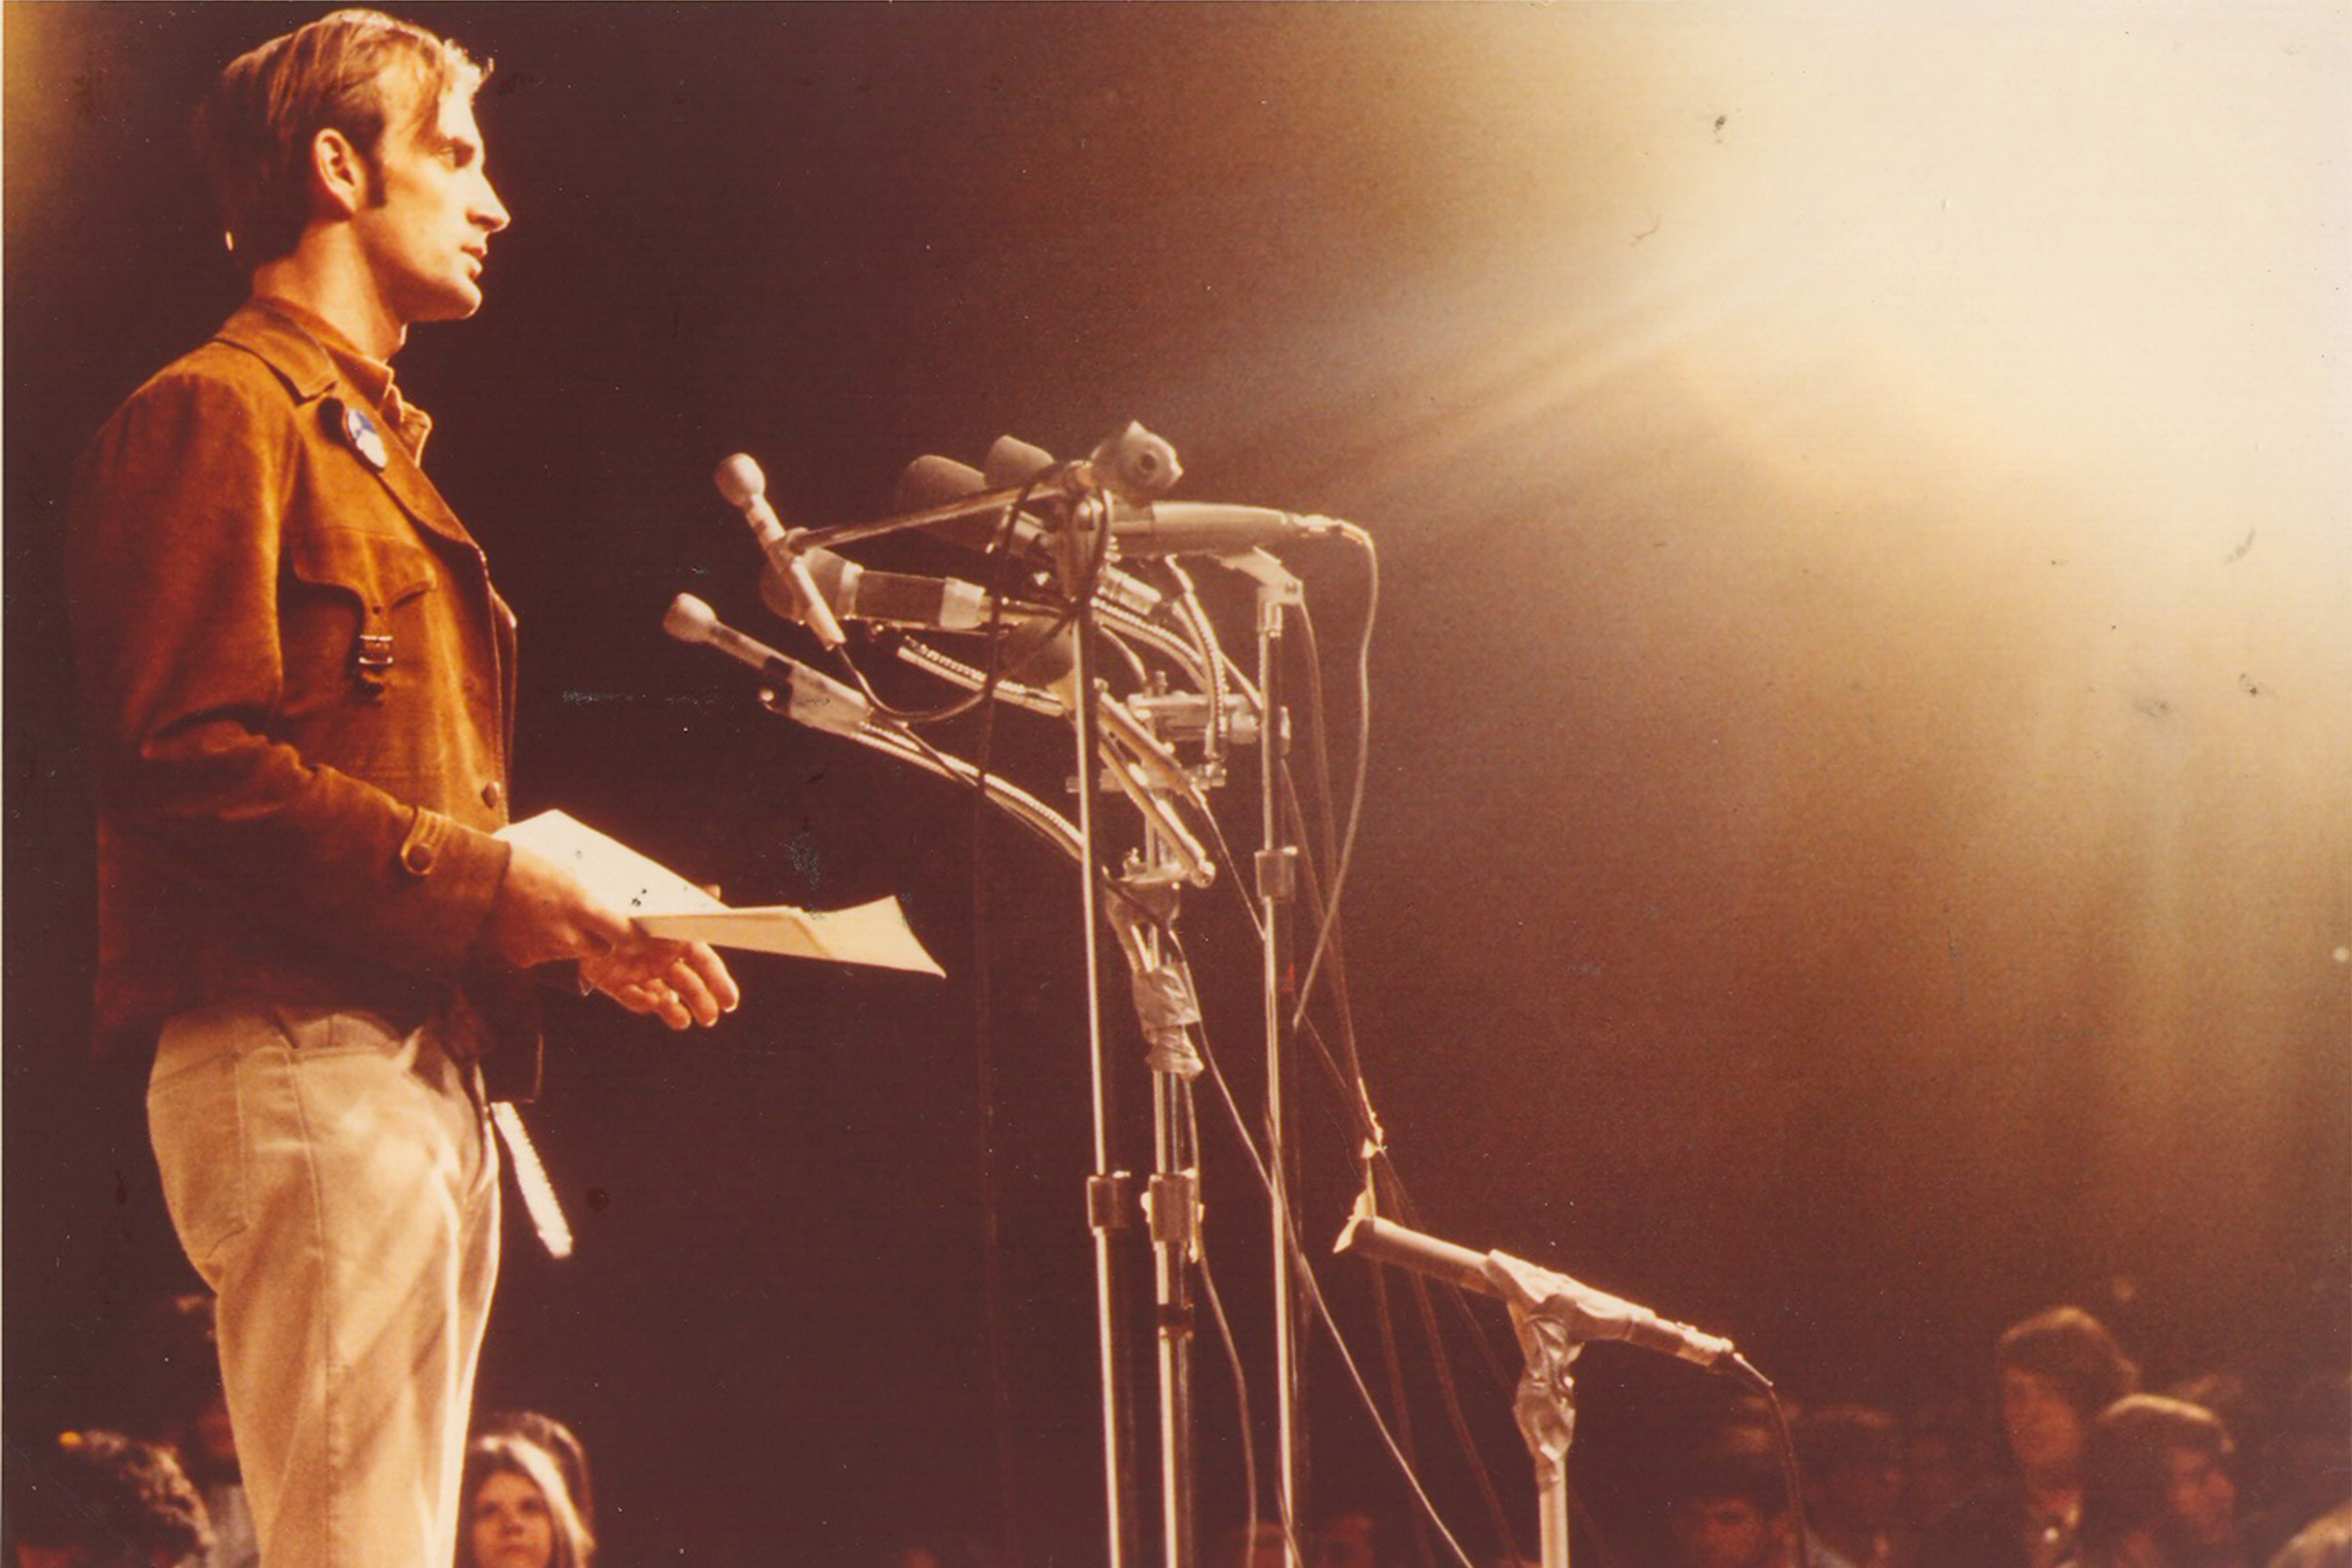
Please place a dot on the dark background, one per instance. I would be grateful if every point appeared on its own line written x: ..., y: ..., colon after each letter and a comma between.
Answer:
x: 1857, y: 846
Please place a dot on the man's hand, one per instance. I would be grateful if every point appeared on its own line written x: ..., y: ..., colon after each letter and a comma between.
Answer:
x: 681, y: 982
x: 542, y: 915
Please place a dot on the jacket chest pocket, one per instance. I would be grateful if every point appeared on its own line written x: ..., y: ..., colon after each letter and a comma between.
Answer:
x: 355, y: 620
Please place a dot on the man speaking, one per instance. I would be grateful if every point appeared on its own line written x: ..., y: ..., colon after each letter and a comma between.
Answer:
x: 299, y: 691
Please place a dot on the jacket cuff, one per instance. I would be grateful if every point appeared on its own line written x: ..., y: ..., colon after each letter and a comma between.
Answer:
x: 450, y: 874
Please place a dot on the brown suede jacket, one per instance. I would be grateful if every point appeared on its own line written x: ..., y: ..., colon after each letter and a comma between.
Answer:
x: 298, y: 685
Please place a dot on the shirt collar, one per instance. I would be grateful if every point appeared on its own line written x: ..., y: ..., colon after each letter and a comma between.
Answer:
x: 372, y: 378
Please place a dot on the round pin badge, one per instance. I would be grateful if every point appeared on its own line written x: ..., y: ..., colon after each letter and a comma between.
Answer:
x: 359, y: 432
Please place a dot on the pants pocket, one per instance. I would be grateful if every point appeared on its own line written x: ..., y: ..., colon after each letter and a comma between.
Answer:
x: 196, y: 1125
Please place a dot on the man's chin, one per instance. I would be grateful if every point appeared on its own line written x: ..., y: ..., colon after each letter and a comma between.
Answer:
x: 453, y: 304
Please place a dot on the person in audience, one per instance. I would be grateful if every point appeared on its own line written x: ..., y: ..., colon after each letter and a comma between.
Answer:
x: 1353, y: 1536
x: 99, y: 1499
x: 2157, y: 1490
x: 1852, y: 1460
x: 560, y: 1443
x: 1727, y: 1505
x: 2325, y: 1542
x: 516, y: 1512
x: 2055, y: 1373
x: 1255, y: 1544
x: 1942, y: 1465
x: 2306, y: 1469
x: 174, y: 1399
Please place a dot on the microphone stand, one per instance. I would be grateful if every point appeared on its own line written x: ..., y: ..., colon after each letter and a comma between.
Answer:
x: 1167, y: 1010
x: 1108, y: 1192
x: 1164, y: 999
x: 1544, y: 1405
x: 1277, y: 875
x: 1554, y: 1316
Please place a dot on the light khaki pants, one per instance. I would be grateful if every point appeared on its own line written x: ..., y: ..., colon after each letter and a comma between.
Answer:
x: 335, y: 1182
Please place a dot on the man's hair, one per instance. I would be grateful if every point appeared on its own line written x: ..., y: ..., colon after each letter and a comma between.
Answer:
x: 111, y: 1500
x: 2074, y: 1352
x: 255, y: 127
x: 2127, y: 1463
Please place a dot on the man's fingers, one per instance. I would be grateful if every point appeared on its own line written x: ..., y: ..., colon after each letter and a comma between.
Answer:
x: 682, y: 983
x: 711, y: 971
x: 652, y: 996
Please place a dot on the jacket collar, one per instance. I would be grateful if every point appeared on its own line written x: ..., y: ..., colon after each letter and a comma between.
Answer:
x: 277, y: 335
x: 265, y: 330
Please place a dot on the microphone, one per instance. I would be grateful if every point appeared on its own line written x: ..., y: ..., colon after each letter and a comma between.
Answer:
x: 1583, y: 1311
x: 1133, y: 464
x: 933, y: 481
x: 1137, y: 467
x: 1138, y: 528
x: 856, y: 592
x: 1033, y: 649
x: 816, y: 699
x: 1210, y: 528
x: 746, y: 488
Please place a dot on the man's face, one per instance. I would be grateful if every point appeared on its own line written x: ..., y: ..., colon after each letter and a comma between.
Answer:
x: 2045, y: 1431
x: 2201, y: 1499
x: 425, y: 230
x: 1725, y: 1532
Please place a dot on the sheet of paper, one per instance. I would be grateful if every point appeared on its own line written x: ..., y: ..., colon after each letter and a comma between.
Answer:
x: 667, y: 905
x: 874, y: 933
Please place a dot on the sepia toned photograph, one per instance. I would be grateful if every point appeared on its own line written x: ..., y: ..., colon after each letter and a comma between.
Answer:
x: 1177, y: 784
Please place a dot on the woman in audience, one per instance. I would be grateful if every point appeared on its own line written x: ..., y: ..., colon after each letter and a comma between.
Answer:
x: 518, y: 1512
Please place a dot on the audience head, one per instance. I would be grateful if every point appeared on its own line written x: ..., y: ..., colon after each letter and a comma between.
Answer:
x: 171, y: 1366
x: 1942, y: 1462
x: 2156, y: 1475
x: 1258, y: 1544
x: 2057, y: 1369
x: 1851, y: 1458
x: 2311, y: 1451
x: 99, y: 1499
x: 1727, y: 1505
x: 1350, y: 1537
x: 938, y: 1551
x: 516, y: 1512
x: 560, y: 1443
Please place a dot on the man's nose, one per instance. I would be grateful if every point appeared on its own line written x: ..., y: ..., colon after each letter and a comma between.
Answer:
x: 489, y: 211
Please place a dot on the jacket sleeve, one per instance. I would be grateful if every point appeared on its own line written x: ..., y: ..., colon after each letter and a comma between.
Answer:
x: 173, y: 576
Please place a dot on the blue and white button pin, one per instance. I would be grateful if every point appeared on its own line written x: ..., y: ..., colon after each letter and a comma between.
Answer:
x: 362, y: 435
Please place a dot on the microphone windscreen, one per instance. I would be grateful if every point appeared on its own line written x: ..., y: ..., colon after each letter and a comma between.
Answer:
x: 740, y: 480
x: 689, y: 619
x: 837, y: 577
x: 1012, y: 462
x: 934, y: 480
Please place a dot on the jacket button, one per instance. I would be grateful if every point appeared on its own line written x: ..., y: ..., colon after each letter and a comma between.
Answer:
x: 418, y: 858
x: 492, y: 793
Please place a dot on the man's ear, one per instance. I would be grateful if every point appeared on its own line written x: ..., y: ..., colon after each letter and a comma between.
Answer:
x: 339, y: 178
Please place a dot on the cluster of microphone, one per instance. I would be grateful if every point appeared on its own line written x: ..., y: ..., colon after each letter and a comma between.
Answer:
x: 1072, y: 546
x: 1020, y: 503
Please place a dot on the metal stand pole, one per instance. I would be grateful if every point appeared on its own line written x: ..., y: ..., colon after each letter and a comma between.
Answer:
x: 1545, y: 1409
x: 1108, y: 1190
x: 1277, y: 879
x: 1167, y: 1011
